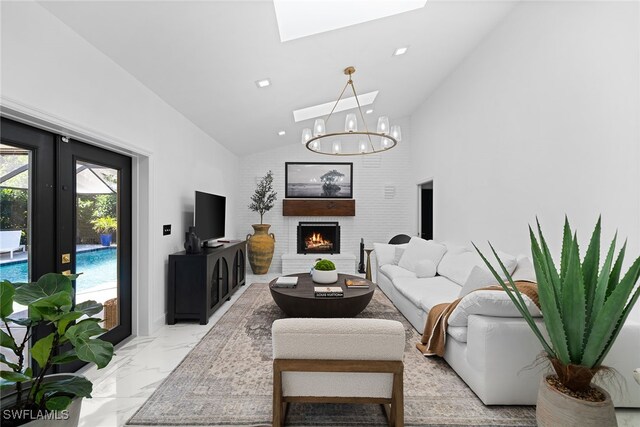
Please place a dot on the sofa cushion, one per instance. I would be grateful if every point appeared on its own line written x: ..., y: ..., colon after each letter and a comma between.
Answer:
x: 458, y: 265
x: 385, y: 253
x: 489, y: 303
x: 425, y: 269
x: 419, y: 249
x: 394, y: 272
x: 438, y: 289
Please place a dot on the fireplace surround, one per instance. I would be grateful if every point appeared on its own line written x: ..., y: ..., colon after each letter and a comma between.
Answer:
x: 318, y: 237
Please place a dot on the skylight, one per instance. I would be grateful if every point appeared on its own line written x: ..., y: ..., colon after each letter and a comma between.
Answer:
x: 297, y: 19
x: 324, y: 109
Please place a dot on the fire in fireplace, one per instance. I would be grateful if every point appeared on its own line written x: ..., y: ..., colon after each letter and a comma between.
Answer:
x: 318, y: 237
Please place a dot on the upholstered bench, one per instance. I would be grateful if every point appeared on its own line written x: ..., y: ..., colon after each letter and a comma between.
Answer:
x: 338, y: 361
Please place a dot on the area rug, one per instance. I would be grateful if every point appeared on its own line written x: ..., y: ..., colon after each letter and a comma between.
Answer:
x: 227, y: 380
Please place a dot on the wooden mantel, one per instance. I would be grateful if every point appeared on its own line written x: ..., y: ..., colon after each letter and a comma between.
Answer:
x: 318, y: 207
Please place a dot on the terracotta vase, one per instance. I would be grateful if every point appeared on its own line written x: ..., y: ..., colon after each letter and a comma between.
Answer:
x: 260, y: 247
x: 557, y: 409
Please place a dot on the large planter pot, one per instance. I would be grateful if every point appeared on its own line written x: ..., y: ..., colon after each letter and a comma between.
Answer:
x: 324, y: 276
x: 105, y: 239
x: 70, y: 417
x: 260, y: 247
x: 558, y: 409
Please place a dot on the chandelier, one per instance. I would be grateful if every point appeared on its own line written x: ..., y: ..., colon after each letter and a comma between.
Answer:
x: 351, y: 142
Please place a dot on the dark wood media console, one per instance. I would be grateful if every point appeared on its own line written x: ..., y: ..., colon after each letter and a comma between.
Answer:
x: 200, y: 283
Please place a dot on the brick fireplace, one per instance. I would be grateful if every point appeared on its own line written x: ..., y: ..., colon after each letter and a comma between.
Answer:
x: 320, y: 237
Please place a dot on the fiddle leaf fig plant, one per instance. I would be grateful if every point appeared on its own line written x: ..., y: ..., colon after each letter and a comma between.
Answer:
x: 584, y: 304
x: 49, y: 303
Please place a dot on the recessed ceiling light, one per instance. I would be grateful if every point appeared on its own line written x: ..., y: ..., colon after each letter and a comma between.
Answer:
x: 263, y: 83
x: 281, y: 133
x: 400, y: 51
x: 368, y: 112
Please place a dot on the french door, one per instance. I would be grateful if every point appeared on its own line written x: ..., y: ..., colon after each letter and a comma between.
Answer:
x: 66, y: 206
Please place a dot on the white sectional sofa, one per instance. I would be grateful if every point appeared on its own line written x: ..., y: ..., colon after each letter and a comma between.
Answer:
x: 488, y: 343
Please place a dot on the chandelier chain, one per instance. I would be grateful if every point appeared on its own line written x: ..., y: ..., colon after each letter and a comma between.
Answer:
x: 336, y: 104
x: 364, y: 122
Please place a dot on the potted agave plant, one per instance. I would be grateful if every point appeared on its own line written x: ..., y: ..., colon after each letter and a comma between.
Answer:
x: 33, y: 397
x: 584, y: 306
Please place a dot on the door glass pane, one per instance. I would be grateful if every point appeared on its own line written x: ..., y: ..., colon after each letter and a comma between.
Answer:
x: 97, y: 239
x: 15, y: 224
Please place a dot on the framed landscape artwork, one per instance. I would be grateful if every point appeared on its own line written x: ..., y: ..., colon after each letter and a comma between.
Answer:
x: 319, y: 180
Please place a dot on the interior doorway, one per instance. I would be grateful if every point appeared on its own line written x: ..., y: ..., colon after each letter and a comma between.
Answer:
x: 426, y: 210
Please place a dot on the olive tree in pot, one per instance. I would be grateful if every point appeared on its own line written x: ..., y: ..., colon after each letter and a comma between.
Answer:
x: 261, y: 244
x: 41, y: 399
x: 584, y: 308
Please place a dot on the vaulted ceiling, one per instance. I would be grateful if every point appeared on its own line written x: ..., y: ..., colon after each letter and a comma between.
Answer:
x: 204, y: 57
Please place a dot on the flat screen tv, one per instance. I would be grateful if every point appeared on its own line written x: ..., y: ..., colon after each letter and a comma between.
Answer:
x: 209, y: 216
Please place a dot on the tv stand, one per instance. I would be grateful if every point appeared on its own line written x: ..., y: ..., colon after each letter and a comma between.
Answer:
x: 200, y: 283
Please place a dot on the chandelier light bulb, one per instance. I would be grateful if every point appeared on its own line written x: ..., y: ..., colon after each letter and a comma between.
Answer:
x: 336, y: 147
x: 351, y: 123
x: 315, y: 145
x: 306, y: 135
x: 363, y: 146
x: 385, y: 142
x: 396, y: 133
x: 383, y: 125
x: 318, y: 127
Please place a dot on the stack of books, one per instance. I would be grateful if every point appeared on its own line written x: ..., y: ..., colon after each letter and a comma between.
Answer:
x: 356, y: 284
x: 286, y: 282
x: 328, y: 291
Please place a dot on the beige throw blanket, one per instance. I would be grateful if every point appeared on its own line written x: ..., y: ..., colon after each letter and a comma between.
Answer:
x: 435, y: 331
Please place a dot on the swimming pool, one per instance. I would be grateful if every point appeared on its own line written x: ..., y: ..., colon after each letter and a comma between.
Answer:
x: 98, y: 267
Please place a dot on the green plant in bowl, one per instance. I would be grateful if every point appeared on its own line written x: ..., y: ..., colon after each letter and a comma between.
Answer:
x: 325, y: 265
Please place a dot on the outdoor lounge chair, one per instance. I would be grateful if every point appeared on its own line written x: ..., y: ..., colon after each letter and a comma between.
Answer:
x: 10, y: 241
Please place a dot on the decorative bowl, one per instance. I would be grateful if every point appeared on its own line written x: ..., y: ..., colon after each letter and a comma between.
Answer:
x: 324, y: 276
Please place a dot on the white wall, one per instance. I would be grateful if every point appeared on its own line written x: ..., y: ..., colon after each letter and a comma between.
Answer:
x: 377, y: 218
x: 51, y: 72
x: 541, y: 119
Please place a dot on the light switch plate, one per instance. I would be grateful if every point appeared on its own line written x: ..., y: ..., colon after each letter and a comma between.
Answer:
x: 166, y: 229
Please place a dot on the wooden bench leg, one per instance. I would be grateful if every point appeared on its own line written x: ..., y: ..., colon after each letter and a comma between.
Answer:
x: 397, y: 403
x: 278, y: 410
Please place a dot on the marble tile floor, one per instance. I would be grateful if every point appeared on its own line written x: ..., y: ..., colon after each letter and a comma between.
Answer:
x: 142, y: 363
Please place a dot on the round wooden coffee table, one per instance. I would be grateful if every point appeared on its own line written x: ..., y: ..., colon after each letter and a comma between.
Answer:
x: 301, y: 302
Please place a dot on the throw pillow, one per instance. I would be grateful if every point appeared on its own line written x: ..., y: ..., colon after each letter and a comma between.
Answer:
x: 524, y: 270
x: 488, y: 303
x: 457, y: 266
x: 419, y: 249
x: 478, y: 278
x: 384, y: 253
x: 398, y: 255
x: 425, y: 268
